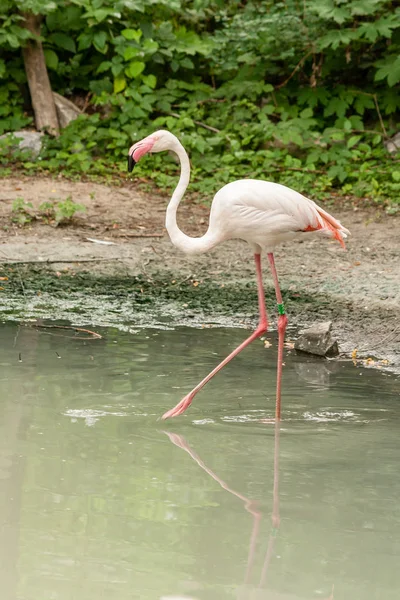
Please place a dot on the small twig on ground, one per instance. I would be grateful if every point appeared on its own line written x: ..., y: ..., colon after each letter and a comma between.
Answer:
x: 95, y: 336
x: 143, y: 235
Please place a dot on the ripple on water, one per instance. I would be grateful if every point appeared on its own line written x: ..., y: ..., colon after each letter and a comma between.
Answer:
x: 91, y: 416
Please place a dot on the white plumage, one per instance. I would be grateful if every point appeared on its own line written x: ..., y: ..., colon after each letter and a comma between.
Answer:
x: 265, y: 214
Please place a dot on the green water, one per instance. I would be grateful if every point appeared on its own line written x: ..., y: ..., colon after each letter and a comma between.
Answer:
x: 99, y: 499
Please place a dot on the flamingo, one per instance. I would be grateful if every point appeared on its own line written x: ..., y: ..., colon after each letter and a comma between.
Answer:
x: 262, y: 213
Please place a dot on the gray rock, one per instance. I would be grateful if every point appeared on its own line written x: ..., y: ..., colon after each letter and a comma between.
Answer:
x: 31, y: 141
x: 67, y: 111
x: 318, y: 340
x: 393, y: 145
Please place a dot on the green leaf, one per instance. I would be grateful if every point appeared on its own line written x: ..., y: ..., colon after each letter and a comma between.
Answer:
x: 363, y: 102
x: 131, y: 52
x: 306, y: 113
x: 12, y: 40
x: 132, y: 34
x: 396, y: 175
x: 335, y: 38
x: 390, y: 69
x: 63, y: 41
x: 104, y: 66
x: 364, y: 7
x: 150, y: 46
x: 85, y: 40
x: 119, y: 84
x: 135, y: 68
x: 187, y: 63
x: 328, y: 10
x: 353, y: 141
x: 101, y: 13
x: 100, y: 41
x: 150, y: 80
x: 51, y: 59
x: 117, y: 69
x: 336, y: 106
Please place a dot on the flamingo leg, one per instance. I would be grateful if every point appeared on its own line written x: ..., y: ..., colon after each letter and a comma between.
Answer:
x: 282, y: 323
x: 261, y: 328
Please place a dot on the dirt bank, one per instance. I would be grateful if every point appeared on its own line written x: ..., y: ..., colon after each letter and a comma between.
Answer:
x: 358, y: 289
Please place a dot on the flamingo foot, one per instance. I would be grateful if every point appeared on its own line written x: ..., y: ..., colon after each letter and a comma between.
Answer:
x: 179, y: 408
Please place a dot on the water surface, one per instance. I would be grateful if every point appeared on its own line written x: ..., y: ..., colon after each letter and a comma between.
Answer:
x: 99, y: 499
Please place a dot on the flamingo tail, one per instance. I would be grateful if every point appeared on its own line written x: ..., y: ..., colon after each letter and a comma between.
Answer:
x: 332, y: 226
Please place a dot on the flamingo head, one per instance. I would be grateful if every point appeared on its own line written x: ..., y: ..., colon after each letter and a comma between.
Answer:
x: 156, y: 142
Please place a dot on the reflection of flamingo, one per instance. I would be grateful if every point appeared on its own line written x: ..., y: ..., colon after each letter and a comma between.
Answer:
x: 251, y: 507
x: 262, y: 213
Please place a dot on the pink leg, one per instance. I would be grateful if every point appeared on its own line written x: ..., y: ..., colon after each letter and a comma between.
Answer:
x: 282, y: 323
x: 262, y: 328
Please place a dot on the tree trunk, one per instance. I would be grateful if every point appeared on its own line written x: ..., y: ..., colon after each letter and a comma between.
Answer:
x: 38, y: 79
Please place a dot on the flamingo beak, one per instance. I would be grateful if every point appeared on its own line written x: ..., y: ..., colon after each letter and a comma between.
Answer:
x: 131, y: 163
x: 138, y: 150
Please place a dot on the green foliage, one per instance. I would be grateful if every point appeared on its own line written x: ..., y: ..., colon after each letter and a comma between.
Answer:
x: 303, y: 93
x: 65, y: 210
x: 21, y: 212
x: 59, y: 213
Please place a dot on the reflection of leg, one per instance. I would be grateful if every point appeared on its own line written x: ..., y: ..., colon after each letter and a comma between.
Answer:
x: 331, y: 596
x: 275, y: 508
x: 261, y: 328
x: 249, y: 505
x: 276, y: 520
x: 252, y: 545
x: 282, y: 323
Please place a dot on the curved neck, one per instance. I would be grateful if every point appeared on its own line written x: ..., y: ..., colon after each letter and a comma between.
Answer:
x: 178, y: 238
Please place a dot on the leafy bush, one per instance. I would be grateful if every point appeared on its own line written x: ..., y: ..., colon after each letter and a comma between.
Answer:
x: 303, y: 93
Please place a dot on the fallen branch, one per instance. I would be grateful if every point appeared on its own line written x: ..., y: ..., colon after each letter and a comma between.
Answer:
x: 59, y: 260
x: 95, y: 336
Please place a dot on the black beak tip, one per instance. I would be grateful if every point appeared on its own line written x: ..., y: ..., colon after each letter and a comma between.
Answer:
x: 131, y: 163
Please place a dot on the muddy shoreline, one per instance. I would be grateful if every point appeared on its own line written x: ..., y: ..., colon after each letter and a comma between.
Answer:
x: 138, y: 278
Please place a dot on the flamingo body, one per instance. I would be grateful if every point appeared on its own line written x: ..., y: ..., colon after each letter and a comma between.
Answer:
x: 265, y: 214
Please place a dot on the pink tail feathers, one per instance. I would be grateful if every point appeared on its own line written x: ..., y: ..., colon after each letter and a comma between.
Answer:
x: 331, y: 225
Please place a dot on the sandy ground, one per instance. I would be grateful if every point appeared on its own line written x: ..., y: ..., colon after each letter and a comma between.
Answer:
x: 364, y: 281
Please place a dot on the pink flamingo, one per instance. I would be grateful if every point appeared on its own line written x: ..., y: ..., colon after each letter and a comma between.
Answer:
x: 262, y: 213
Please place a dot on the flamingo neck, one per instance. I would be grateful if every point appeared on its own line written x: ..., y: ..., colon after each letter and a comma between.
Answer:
x: 178, y: 238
